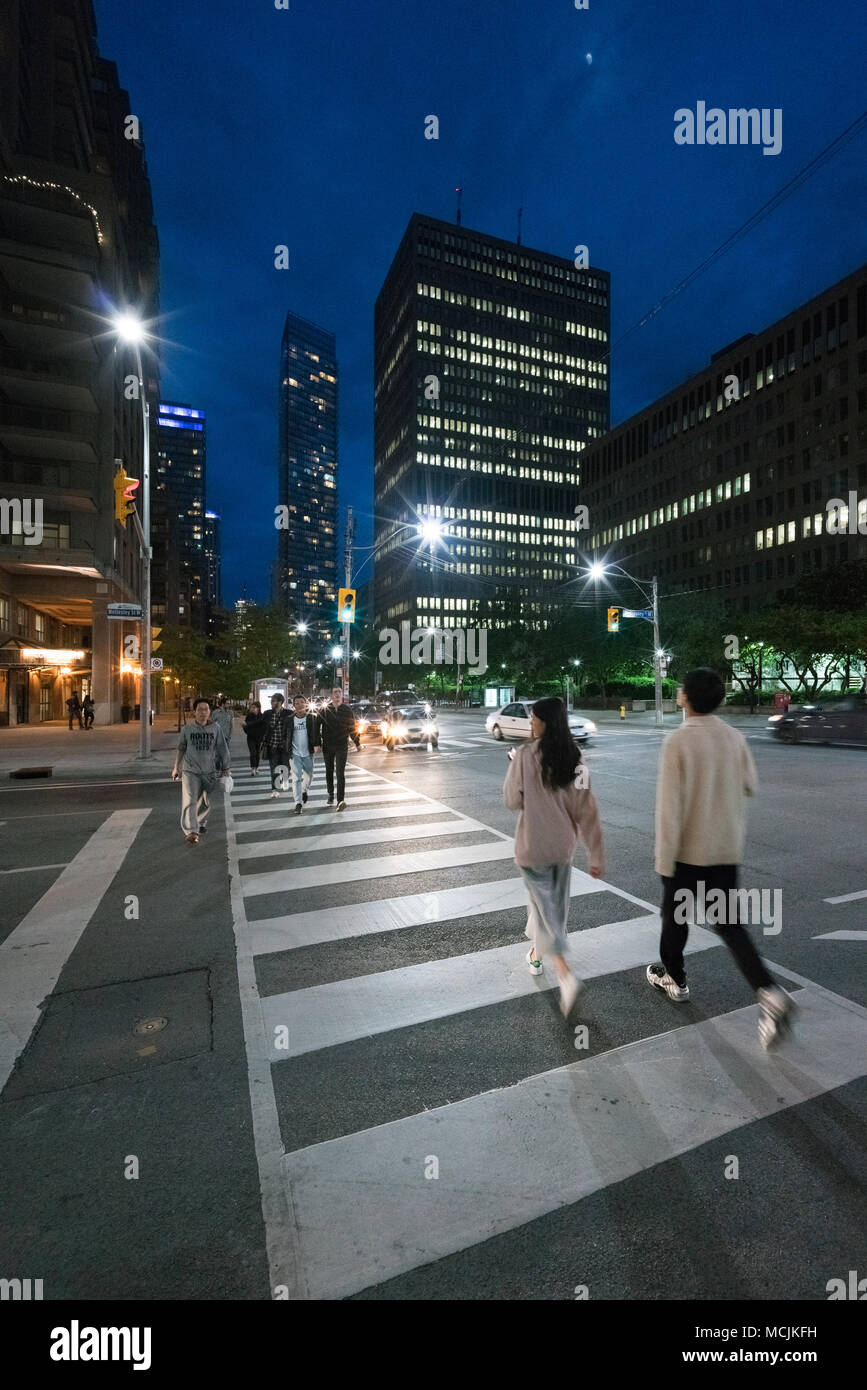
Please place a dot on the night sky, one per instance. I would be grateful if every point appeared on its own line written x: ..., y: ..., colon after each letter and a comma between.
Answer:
x: 306, y: 127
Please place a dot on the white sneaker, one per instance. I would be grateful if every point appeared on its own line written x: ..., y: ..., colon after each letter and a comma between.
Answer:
x: 570, y: 988
x: 536, y: 966
x: 776, y: 1008
x: 658, y: 976
x: 275, y: 796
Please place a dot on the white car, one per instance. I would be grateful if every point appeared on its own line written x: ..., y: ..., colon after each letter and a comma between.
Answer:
x: 513, y: 721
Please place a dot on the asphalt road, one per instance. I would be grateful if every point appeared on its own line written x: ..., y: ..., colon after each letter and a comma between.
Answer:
x: 369, y: 1037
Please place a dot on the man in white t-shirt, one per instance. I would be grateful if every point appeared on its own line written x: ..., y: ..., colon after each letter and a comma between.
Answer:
x: 303, y: 743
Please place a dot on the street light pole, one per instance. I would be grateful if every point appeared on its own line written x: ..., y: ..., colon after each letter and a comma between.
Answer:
x: 657, y: 659
x: 145, y: 730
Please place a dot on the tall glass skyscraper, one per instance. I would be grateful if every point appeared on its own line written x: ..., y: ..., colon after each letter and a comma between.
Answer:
x: 491, y: 378
x: 180, y: 469
x: 306, y: 575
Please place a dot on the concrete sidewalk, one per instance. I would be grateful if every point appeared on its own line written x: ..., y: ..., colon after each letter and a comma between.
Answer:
x: 94, y: 754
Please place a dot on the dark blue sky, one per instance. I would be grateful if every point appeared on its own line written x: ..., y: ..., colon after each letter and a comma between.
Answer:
x: 306, y: 127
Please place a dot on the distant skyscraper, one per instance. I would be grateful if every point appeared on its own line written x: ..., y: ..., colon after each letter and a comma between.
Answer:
x: 306, y: 577
x: 491, y: 377
x: 181, y: 470
x: 213, y: 565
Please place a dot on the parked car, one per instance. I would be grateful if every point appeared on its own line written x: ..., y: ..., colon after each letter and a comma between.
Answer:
x: 410, y: 724
x: 840, y: 721
x: 513, y: 721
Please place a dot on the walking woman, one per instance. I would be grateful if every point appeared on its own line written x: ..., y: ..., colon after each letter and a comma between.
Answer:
x: 254, y: 728
x: 548, y: 785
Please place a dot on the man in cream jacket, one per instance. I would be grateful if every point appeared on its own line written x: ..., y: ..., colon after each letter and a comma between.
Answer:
x: 706, y: 773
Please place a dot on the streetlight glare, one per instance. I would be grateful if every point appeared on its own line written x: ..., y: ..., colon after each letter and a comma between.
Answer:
x: 596, y: 571
x: 430, y: 530
x: 336, y: 653
x: 301, y: 628
x: 130, y: 328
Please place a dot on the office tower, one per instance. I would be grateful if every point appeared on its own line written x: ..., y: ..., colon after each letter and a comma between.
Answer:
x: 77, y: 243
x: 213, y: 565
x: 306, y: 575
x: 721, y: 485
x: 491, y: 377
x: 180, y: 468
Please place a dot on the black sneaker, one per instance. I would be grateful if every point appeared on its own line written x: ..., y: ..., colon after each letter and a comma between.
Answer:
x: 304, y: 797
x: 298, y: 808
x: 330, y: 801
x: 658, y: 976
x: 203, y: 830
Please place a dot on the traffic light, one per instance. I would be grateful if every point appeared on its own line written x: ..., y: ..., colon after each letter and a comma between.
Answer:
x: 124, y: 499
x: 155, y: 632
x: 614, y: 620
x: 346, y: 606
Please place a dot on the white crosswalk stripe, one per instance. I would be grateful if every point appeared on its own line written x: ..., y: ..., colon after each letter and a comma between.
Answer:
x: 356, y: 1210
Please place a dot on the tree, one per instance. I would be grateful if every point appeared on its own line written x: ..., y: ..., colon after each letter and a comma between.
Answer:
x: 186, y: 659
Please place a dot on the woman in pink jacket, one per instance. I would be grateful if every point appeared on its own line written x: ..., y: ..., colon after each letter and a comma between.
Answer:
x: 548, y: 785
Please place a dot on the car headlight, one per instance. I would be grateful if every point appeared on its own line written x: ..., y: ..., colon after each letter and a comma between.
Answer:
x: 774, y: 718
x: 590, y: 726
x: 362, y: 725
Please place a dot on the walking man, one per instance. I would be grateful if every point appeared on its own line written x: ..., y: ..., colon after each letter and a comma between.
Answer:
x: 706, y: 772
x: 222, y: 715
x: 336, y: 728
x: 202, y: 751
x: 88, y: 709
x: 303, y: 743
x: 276, y: 742
x: 73, y: 704
x: 254, y: 728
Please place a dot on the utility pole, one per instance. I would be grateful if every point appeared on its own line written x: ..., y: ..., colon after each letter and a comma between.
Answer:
x: 657, y: 660
x: 347, y: 627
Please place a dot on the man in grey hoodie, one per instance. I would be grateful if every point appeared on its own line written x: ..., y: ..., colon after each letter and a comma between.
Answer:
x: 202, y: 750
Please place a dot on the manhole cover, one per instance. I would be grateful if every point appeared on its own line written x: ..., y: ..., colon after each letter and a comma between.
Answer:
x: 150, y: 1025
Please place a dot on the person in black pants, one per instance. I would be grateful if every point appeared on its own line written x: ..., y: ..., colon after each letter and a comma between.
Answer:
x: 275, y: 740
x: 74, y: 706
x: 254, y: 728
x: 336, y: 728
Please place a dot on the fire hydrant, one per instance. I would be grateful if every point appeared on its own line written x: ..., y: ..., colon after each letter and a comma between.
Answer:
x: 622, y: 711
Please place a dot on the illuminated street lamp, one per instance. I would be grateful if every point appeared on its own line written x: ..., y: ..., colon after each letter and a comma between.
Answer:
x: 131, y: 330
x: 597, y: 571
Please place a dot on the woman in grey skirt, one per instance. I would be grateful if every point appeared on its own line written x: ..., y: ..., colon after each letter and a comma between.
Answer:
x: 548, y: 785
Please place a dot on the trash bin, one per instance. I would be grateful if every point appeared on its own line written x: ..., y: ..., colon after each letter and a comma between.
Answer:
x: 125, y: 712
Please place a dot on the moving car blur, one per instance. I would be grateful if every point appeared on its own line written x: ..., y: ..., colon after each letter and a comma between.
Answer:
x: 838, y: 721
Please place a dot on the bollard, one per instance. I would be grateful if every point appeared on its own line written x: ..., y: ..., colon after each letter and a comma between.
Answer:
x: 622, y: 711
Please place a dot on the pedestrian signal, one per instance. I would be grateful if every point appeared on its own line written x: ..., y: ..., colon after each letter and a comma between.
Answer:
x: 124, y: 498
x: 346, y: 606
x: 614, y: 620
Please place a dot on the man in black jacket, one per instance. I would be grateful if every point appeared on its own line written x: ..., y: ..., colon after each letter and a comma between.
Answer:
x: 336, y: 728
x: 275, y: 740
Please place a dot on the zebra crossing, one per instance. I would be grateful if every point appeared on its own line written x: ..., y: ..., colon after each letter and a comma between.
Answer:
x: 380, y: 945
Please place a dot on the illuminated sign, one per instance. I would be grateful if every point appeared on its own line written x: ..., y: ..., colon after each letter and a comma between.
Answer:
x: 51, y: 656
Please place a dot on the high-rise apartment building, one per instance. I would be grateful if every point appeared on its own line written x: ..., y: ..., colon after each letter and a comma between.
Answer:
x: 722, y: 485
x: 306, y: 574
x: 77, y: 244
x: 491, y: 379
x: 180, y: 470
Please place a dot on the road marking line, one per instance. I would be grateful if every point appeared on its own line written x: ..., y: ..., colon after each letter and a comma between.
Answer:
x: 327, y: 1015
x: 35, y: 952
x: 34, y: 868
x: 335, y: 818
x: 366, y: 1212
x: 841, y: 936
x: 847, y: 897
x: 296, y: 929
x: 252, y: 805
x: 262, y: 849
x: 356, y: 870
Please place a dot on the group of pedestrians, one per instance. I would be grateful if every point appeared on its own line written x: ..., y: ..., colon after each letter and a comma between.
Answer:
x: 290, y: 739
x: 82, y: 710
x: 706, y: 774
